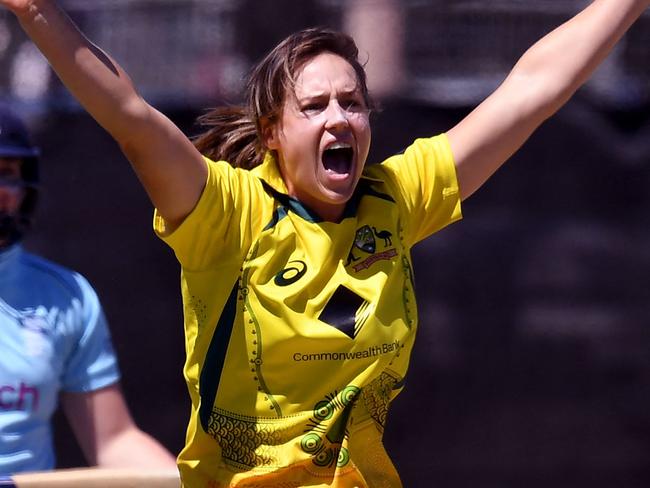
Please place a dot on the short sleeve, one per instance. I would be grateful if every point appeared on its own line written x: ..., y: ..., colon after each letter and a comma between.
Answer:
x: 219, y: 224
x: 425, y: 179
x: 92, y: 364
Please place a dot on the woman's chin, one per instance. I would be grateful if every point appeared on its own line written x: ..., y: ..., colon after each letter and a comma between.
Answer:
x: 338, y: 193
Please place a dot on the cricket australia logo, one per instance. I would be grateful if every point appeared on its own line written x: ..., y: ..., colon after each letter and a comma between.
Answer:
x: 366, y: 241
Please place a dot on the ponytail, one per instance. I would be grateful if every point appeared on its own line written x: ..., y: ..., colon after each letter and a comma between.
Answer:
x: 230, y: 135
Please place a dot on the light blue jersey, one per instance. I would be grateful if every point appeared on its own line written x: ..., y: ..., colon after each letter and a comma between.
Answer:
x: 54, y: 338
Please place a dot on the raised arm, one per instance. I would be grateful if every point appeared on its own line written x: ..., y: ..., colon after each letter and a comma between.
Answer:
x: 545, y: 77
x: 170, y: 168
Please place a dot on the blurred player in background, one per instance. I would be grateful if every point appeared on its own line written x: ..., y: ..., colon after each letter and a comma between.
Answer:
x: 54, y: 342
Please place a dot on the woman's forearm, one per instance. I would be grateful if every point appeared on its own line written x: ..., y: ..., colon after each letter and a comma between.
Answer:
x: 545, y: 77
x: 168, y: 165
x: 562, y: 61
x: 98, y: 82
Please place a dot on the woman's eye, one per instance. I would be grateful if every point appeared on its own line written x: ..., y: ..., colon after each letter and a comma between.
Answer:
x: 313, y: 107
x: 353, y: 105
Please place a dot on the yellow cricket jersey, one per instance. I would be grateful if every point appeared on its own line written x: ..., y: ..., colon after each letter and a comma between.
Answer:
x: 299, y: 331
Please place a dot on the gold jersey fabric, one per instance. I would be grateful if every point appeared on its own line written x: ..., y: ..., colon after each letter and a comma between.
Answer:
x: 299, y: 331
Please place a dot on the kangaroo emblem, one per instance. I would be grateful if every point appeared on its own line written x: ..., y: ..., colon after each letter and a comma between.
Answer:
x: 365, y: 241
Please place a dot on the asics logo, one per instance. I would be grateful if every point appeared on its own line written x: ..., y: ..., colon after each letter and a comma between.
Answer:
x: 291, y: 274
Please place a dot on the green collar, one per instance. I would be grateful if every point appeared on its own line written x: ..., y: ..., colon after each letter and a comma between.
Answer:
x: 271, y: 178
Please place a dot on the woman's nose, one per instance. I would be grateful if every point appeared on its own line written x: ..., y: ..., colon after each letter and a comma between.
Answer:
x: 337, y: 117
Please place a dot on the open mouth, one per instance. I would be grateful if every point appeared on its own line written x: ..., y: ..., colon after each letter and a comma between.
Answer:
x: 338, y: 158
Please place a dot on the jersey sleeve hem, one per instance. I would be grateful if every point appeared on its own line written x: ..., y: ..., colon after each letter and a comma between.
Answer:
x: 160, y: 224
x: 96, y: 384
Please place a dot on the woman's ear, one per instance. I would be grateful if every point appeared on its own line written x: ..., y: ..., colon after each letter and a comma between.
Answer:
x: 270, y: 134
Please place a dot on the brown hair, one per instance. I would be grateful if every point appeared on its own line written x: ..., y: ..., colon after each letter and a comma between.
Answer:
x: 234, y: 134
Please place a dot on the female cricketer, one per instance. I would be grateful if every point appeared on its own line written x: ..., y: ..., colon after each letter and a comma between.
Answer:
x: 296, y: 279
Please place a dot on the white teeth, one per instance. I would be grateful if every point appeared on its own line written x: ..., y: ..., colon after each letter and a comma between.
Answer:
x: 340, y: 145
